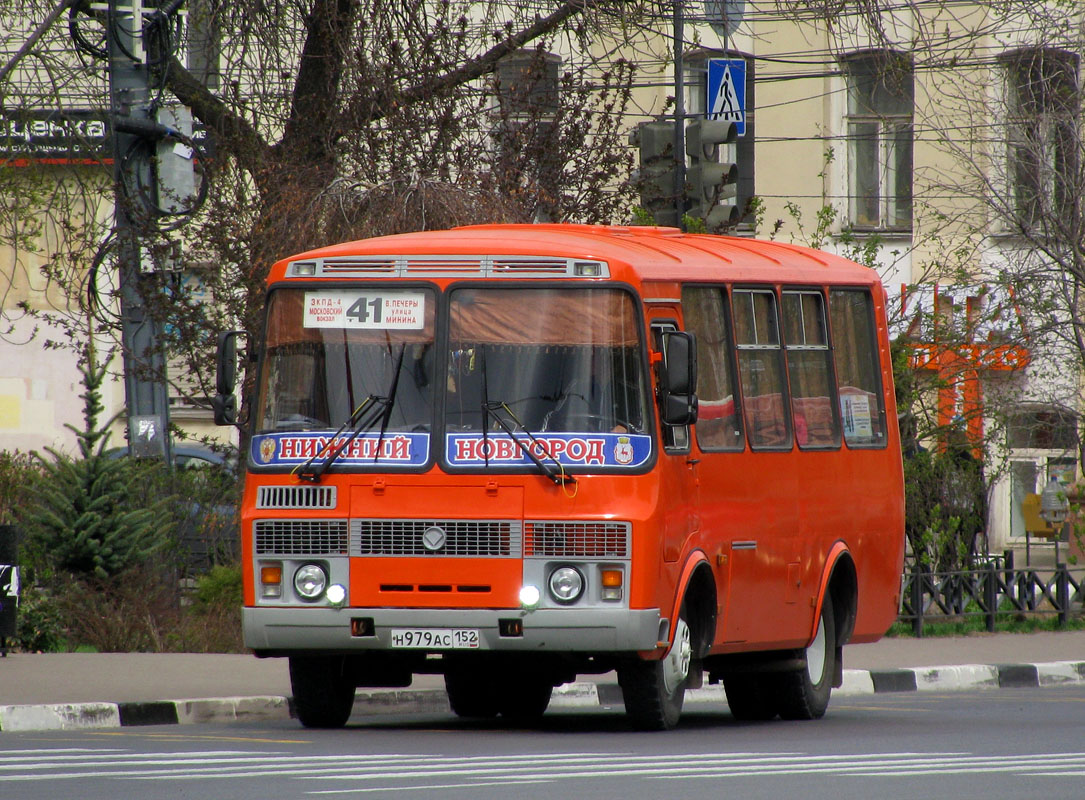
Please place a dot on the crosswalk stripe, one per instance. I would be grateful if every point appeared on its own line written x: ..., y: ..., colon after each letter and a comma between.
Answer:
x: 406, y: 770
x: 222, y: 763
x: 428, y: 787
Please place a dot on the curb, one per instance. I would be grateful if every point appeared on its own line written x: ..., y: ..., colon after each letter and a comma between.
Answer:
x: 81, y: 716
x: 581, y: 694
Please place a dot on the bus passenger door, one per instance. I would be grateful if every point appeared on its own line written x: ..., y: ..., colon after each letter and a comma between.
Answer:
x: 678, y: 471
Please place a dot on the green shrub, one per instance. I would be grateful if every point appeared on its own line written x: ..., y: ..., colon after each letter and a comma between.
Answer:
x: 221, y: 587
x: 202, y: 511
x: 80, y: 513
x: 81, y: 518
x: 102, y: 561
x: 17, y: 472
x: 212, y: 623
x: 133, y: 611
x: 39, y: 626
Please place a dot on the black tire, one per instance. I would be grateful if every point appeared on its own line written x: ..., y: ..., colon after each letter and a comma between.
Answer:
x: 323, y: 693
x: 805, y: 694
x: 525, y: 700
x: 473, y: 693
x: 655, y: 690
x: 751, y: 697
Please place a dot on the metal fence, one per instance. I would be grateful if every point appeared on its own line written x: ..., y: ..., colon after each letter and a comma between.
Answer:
x: 987, y: 592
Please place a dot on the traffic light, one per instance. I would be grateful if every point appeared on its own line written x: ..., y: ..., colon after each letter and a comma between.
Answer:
x: 711, y: 184
x: 656, y: 176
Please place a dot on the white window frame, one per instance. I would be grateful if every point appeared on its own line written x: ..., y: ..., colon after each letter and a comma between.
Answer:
x: 893, y: 211
x: 1027, y: 130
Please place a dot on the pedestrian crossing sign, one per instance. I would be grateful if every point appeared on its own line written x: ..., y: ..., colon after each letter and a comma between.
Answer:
x: 727, y: 91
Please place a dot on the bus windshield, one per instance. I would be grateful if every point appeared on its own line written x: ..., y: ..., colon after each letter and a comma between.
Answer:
x: 330, y: 350
x: 554, y: 360
x: 545, y: 365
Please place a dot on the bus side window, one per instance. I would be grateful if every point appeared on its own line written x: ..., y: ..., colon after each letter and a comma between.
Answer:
x: 719, y: 415
x: 675, y: 437
x: 862, y: 407
x: 760, y: 369
x: 810, y: 370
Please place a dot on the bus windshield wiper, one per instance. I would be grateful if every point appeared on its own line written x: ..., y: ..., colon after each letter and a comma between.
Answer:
x: 491, y: 409
x: 361, y: 420
x: 555, y: 472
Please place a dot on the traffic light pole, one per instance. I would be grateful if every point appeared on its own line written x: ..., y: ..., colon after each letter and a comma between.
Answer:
x: 679, y: 112
x: 144, y: 364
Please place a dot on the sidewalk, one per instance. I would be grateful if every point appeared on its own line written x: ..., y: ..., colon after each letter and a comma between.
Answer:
x: 80, y: 690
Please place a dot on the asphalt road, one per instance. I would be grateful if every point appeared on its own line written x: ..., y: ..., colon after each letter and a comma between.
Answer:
x: 960, y: 745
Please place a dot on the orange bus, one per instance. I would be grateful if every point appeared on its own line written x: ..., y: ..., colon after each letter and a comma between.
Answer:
x: 515, y: 454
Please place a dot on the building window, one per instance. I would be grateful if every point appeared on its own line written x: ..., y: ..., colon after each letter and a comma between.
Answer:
x: 742, y: 151
x: 879, y: 120
x: 205, y: 43
x: 527, y: 155
x: 1043, y: 102
x: 1043, y: 445
x: 1042, y: 428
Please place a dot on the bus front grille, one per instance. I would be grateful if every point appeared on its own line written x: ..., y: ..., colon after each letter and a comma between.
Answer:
x: 559, y: 539
x: 300, y: 537
x: 450, y: 266
x: 436, y: 538
x: 295, y: 497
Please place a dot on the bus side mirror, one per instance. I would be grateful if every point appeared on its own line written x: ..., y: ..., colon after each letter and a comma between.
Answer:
x: 679, y: 378
x: 224, y: 403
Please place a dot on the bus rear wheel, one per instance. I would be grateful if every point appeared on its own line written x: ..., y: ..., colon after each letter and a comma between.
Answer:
x: 805, y: 694
x: 323, y: 691
x: 655, y: 690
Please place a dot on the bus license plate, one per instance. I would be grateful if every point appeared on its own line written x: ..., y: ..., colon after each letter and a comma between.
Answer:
x: 435, y: 638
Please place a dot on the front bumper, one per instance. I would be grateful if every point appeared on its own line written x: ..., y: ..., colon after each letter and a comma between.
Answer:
x: 587, y: 631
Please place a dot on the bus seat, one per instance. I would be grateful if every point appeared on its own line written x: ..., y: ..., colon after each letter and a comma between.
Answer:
x: 814, y: 415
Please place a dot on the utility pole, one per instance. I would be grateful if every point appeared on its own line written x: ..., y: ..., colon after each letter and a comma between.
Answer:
x: 145, y: 394
x: 679, y: 112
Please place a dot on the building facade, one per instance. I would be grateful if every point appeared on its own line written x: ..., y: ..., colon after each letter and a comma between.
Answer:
x: 940, y: 142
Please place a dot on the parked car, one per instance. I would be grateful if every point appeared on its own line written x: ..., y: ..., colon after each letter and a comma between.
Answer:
x: 207, y: 512
x: 188, y: 456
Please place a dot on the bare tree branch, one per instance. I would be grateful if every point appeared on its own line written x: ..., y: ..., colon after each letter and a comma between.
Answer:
x: 316, y: 87
x: 32, y: 40
x: 317, y: 83
x: 375, y: 108
x: 232, y: 131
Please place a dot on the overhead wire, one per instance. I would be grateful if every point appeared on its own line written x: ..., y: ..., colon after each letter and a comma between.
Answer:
x: 822, y: 61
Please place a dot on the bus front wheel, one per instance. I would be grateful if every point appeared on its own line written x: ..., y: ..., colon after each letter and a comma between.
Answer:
x: 805, y: 694
x: 323, y: 691
x: 525, y: 700
x: 655, y: 690
x: 485, y: 694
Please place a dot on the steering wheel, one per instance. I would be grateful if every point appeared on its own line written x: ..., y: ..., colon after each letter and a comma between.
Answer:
x: 295, y: 422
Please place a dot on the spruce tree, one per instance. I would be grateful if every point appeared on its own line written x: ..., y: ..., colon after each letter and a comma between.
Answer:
x: 81, y: 513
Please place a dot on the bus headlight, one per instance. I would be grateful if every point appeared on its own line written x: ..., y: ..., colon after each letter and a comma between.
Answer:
x: 309, y: 581
x: 566, y: 584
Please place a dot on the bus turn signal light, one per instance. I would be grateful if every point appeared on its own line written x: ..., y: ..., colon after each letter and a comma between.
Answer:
x: 612, y: 584
x: 271, y: 579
